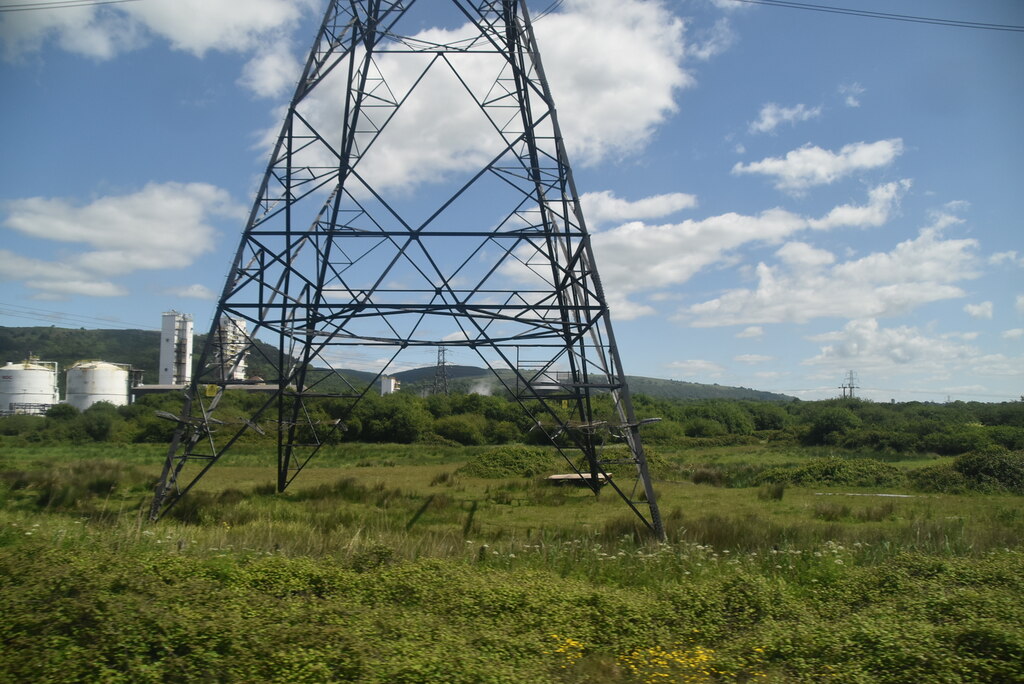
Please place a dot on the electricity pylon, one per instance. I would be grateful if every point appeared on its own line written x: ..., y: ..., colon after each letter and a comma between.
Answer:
x: 418, y: 194
x: 441, y: 372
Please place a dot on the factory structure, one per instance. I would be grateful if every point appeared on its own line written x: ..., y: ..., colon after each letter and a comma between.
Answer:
x: 31, y: 386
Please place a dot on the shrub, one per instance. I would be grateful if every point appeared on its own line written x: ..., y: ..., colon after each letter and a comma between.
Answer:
x: 993, y: 468
x: 703, y: 427
x: 508, y: 461
x: 865, y: 472
x: 958, y: 441
x: 465, y: 428
x: 943, y: 479
x: 830, y: 424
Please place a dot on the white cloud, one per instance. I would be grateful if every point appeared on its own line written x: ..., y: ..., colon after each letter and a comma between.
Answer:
x: 194, y: 26
x: 881, y: 201
x: 918, y: 271
x: 161, y: 226
x: 273, y: 72
x: 772, y: 116
x: 753, y: 358
x: 851, y: 93
x: 1020, y: 304
x: 809, y: 166
x: 800, y: 255
x: 982, y: 310
x: 53, y: 280
x: 194, y: 291
x: 614, y: 68
x: 1013, y: 334
x: 870, y: 347
x: 904, y: 350
x: 636, y: 257
x: 1005, y: 257
x: 712, y: 42
x: 604, y: 207
x: 751, y: 332
x: 696, y: 367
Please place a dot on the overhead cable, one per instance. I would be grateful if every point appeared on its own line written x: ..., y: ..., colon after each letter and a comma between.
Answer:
x: 56, y: 4
x: 956, y: 23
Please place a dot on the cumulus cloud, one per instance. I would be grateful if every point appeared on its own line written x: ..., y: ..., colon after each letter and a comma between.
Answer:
x: 809, y: 165
x: 273, y: 72
x: 773, y: 115
x: 851, y: 93
x: 604, y: 207
x: 1020, y: 304
x: 753, y: 358
x: 194, y: 26
x: 1008, y: 257
x: 872, y: 348
x: 924, y: 269
x: 161, y: 226
x: 52, y: 280
x: 1013, y: 334
x: 982, y: 310
x: 696, y: 368
x: 670, y: 254
x: 194, y: 291
x: 881, y: 201
x: 614, y: 68
x: 751, y: 332
x: 712, y: 42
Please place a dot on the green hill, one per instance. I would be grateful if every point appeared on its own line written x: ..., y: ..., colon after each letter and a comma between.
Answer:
x: 141, y: 349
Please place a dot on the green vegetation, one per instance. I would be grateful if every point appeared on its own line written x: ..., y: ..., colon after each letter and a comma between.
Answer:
x: 803, y: 546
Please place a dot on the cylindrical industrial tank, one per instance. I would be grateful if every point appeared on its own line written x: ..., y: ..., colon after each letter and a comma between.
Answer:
x: 93, y: 381
x: 31, y: 384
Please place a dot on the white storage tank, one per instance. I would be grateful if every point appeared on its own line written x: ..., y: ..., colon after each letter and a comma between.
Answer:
x: 28, y: 387
x: 94, y: 381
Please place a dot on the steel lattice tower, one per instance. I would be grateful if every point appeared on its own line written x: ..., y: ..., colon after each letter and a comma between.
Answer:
x: 342, y: 265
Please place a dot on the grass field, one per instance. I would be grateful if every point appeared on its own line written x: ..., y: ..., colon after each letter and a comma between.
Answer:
x: 387, y: 563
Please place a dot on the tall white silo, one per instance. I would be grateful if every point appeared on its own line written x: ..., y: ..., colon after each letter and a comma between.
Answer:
x: 28, y: 387
x: 176, y: 349
x: 89, y: 382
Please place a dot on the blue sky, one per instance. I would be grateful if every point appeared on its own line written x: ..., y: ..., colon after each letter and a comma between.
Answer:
x: 777, y: 196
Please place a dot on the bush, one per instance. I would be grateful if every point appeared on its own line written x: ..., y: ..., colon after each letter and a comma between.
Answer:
x: 465, y: 428
x: 958, y: 441
x: 703, y: 427
x: 993, y: 468
x: 944, y: 479
x: 831, y: 424
x: 508, y: 461
x: 865, y: 472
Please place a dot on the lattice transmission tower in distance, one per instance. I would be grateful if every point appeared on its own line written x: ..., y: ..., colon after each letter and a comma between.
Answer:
x: 418, y: 194
x: 441, y: 371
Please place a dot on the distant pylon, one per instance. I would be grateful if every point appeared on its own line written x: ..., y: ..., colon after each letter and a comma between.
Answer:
x: 344, y: 264
x: 849, y: 384
x: 441, y: 371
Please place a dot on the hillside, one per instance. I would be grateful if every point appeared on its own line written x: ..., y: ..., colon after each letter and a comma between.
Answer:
x: 140, y: 349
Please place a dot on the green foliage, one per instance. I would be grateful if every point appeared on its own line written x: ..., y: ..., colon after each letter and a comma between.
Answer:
x: 830, y: 425
x: 939, y: 478
x: 837, y: 472
x: 464, y: 428
x: 509, y: 461
x: 993, y: 468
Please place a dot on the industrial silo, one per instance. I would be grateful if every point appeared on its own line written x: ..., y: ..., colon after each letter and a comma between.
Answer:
x: 28, y: 387
x: 89, y: 382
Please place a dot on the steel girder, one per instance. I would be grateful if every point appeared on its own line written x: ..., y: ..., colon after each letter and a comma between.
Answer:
x: 418, y: 195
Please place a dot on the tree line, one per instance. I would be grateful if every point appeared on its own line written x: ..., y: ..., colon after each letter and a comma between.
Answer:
x: 473, y: 419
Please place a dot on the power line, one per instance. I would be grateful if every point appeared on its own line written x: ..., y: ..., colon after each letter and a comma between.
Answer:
x: 52, y: 317
x: 57, y: 4
x: 956, y: 23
